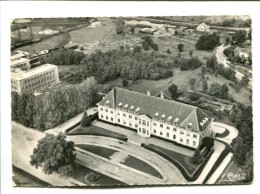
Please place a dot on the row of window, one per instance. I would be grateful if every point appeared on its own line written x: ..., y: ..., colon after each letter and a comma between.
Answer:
x: 174, y: 138
x: 111, y: 118
x: 167, y: 134
x: 106, y: 110
x: 39, y: 82
x: 40, y: 76
x: 36, y: 87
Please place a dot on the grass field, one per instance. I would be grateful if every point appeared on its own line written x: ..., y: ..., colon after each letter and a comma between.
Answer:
x: 141, y: 166
x: 101, y: 151
x: 180, y: 78
x: 81, y: 172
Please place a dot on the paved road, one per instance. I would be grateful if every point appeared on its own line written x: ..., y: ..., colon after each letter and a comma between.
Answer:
x: 233, y: 132
x: 221, y: 58
x: 170, y: 174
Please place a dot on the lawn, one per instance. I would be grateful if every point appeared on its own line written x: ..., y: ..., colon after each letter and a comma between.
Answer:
x: 242, y: 96
x: 98, y: 131
x: 101, y: 151
x: 184, y: 160
x: 81, y: 172
x: 180, y: 78
x: 141, y: 166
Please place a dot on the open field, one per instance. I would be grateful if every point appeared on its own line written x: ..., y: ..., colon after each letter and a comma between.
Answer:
x: 180, y: 78
x: 141, y: 166
x: 46, y: 44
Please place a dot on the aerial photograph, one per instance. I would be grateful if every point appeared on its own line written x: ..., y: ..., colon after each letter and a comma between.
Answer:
x: 131, y: 101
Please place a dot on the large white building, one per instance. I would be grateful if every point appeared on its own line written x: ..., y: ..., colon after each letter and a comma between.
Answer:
x: 153, y: 116
x: 34, y: 79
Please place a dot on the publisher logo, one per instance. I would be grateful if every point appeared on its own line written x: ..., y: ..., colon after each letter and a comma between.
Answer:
x: 236, y: 176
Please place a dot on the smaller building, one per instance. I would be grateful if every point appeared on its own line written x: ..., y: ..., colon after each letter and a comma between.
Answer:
x: 21, y: 63
x: 203, y: 27
x: 34, y: 79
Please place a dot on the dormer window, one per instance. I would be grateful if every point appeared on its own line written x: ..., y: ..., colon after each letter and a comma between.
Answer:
x: 126, y: 106
x: 107, y: 102
x: 137, y: 110
x: 163, y: 117
x: 201, y: 124
x: 206, y: 119
x: 156, y: 115
x: 169, y: 119
x: 189, y: 125
x: 120, y: 105
x: 176, y: 121
x: 132, y: 108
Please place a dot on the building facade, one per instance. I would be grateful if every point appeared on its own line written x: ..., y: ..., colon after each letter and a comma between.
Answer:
x: 153, y: 116
x: 34, y: 79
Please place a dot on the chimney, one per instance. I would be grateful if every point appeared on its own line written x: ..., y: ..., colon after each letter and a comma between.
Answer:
x: 148, y: 93
x: 162, y: 95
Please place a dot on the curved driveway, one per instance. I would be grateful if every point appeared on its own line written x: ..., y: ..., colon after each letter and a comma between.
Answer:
x: 169, y: 172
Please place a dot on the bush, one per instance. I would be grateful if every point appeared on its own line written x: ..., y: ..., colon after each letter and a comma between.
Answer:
x: 180, y: 47
x: 228, y: 51
x: 124, y: 82
x: 190, y: 64
x: 194, y: 97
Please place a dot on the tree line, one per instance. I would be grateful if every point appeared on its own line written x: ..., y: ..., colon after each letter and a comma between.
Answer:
x: 54, y: 107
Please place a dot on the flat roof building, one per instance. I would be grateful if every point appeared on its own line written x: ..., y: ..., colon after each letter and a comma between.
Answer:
x: 22, y: 63
x: 34, y: 79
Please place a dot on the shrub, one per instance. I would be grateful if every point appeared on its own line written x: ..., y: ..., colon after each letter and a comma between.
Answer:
x: 124, y: 82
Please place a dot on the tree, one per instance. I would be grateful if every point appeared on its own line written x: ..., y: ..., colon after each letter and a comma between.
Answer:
x: 223, y: 92
x: 194, y: 97
x: 85, y: 120
x: 168, y: 51
x: 14, y: 105
x: 203, y: 70
x: 239, y: 150
x: 240, y: 36
x: 204, y: 85
x: 132, y: 29
x: 192, y: 83
x: 137, y: 49
x: 197, y: 158
x: 208, y: 142
x: 54, y: 155
x: 173, y: 89
x: 244, y: 81
x: 208, y: 42
x: 191, y: 63
x: 120, y: 26
x: 124, y: 82
x: 191, y: 53
x: 214, y: 89
x: 180, y: 47
x: 227, y: 40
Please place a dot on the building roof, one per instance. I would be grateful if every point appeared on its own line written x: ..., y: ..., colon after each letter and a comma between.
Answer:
x: 149, y: 105
x: 203, y: 24
x: 19, y: 61
x: 18, y: 74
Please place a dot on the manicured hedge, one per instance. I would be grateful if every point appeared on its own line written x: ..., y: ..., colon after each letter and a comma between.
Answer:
x: 219, y: 161
x: 178, y: 165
